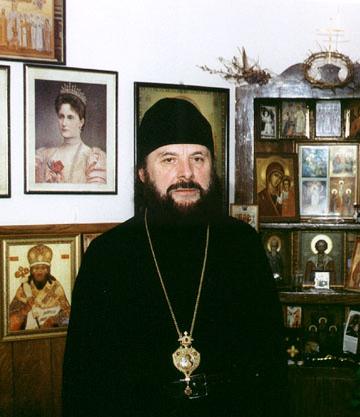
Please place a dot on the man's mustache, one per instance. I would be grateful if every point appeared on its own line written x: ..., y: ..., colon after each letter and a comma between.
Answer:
x: 184, y: 184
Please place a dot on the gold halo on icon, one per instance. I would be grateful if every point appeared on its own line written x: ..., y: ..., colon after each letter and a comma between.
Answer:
x: 278, y: 242
x: 321, y: 237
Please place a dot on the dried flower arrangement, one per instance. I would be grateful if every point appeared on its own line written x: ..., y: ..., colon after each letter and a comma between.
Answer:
x: 239, y: 70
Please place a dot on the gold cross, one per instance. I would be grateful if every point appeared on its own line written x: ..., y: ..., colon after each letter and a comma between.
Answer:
x: 292, y: 351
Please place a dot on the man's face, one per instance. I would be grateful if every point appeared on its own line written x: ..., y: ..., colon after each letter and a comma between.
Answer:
x: 39, y: 272
x: 180, y: 171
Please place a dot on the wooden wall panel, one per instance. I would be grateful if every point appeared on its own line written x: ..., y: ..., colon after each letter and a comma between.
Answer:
x: 31, y: 369
x: 6, y: 380
x: 32, y: 379
x: 57, y: 355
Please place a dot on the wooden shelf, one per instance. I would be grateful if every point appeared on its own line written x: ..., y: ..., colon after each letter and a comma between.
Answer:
x: 336, y: 224
x: 312, y: 296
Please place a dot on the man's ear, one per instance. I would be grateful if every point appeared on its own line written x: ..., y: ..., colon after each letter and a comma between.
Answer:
x: 141, y: 174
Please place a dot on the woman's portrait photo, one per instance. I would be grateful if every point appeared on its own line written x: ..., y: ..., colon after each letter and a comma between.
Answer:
x: 71, y: 134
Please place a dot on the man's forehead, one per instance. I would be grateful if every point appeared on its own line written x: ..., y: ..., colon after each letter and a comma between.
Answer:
x: 180, y: 149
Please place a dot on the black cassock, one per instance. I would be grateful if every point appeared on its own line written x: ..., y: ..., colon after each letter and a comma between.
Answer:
x: 118, y: 357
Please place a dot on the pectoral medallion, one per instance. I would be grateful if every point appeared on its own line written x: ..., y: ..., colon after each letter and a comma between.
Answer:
x: 186, y: 359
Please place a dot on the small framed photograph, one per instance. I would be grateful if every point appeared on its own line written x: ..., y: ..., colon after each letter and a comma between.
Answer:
x: 322, y: 280
x: 352, y: 333
x: 277, y: 186
x: 321, y: 252
x: 70, y: 130
x: 4, y: 132
x: 33, y: 30
x: 352, y: 120
x: 293, y: 317
x: 353, y: 278
x: 213, y: 103
x: 37, y: 279
x: 328, y: 119
x: 268, y: 121
x: 295, y: 119
x: 247, y: 213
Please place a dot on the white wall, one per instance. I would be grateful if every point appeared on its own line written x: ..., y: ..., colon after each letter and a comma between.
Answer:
x: 164, y: 41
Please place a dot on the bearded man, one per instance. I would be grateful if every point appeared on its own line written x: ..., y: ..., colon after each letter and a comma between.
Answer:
x: 175, y: 311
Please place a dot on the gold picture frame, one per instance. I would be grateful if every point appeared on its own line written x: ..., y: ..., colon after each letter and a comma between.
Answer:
x: 37, y: 304
x: 33, y: 31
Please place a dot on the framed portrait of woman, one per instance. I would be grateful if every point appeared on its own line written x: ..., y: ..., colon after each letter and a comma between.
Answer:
x: 70, y: 130
x: 4, y: 132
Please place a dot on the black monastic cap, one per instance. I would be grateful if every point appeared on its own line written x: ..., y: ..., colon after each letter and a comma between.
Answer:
x: 172, y: 121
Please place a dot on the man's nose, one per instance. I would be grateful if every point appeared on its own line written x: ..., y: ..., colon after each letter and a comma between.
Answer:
x: 185, y: 169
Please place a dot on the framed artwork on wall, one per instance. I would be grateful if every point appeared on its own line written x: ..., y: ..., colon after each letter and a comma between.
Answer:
x: 268, y: 115
x: 33, y: 30
x: 352, y: 119
x: 295, y: 119
x: 328, y: 119
x: 278, y: 248
x: 37, y: 279
x: 353, y: 278
x: 4, y: 131
x: 277, y: 186
x: 247, y: 213
x: 328, y: 185
x: 213, y: 103
x: 70, y: 130
x: 322, y: 252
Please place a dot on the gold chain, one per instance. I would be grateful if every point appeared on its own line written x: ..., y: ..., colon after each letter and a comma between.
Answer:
x: 163, y: 285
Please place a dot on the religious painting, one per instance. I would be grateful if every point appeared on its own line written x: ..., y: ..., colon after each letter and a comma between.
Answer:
x: 321, y: 252
x: 268, y: 121
x: 293, y: 317
x: 352, y: 333
x: 247, y: 213
x: 328, y: 119
x: 37, y: 279
x: 314, y: 197
x: 328, y: 185
x: 353, y: 277
x: 342, y: 196
x: 352, y: 120
x: 4, y: 131
x: 278, y: 249
x: 33, y: 30
x: 313, y: 161
x: 277, y: 186
x: 213, y: 103
x: 294, y: 119
x: 80, y: 157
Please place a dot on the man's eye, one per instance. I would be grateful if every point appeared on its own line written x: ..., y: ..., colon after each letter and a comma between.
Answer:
x: 169, y: 160
x: 198, y: 159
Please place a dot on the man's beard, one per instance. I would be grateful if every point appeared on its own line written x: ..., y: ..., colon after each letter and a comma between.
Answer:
x: 209, y: 203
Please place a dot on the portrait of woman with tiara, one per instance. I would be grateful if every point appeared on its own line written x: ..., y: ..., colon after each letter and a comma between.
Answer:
x: 72, y: 161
